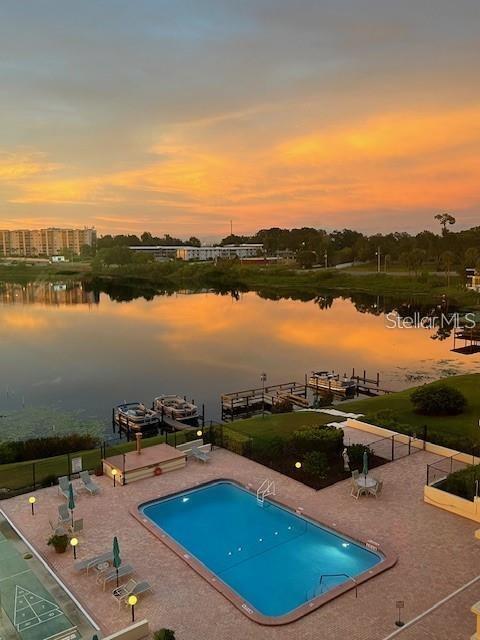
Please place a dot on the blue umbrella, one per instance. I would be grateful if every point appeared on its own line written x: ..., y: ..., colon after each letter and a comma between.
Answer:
x: 365, y: 463
x: 71, y: 499
x: 117, y: 561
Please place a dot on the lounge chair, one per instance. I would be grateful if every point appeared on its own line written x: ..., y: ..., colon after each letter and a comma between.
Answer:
x: 77, y: 527
x: 377, y: 489
x: 63, y: 487
x: 124, y: 590
x: 64, y: 515
x: 57, y: 528
x: 88, y: 483
x: 86, y: 565
x: 198, y: 454
x: 110, y: 575
x: 140, y: 587
x: 356, y: 490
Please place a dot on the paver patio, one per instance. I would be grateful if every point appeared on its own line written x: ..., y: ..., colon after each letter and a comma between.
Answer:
x: 437, y: 554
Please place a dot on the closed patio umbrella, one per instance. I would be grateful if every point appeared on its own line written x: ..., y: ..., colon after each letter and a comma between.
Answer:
x: 71, y: 499
x: 117, y: 561
x: 365, y: 463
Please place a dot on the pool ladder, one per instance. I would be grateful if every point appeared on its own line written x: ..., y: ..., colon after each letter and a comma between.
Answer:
x: 331, y: 575
x: 267, y: 488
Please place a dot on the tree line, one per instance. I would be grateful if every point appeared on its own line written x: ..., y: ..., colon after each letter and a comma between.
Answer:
x: 443, y: 250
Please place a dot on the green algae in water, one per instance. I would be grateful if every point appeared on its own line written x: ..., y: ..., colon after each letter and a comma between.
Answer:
x: 38, y: 422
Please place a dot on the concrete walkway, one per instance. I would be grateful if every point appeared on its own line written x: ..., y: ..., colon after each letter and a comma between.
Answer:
x: 437, y: 554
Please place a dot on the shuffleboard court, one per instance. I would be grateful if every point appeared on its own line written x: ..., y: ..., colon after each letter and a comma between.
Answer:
x: 32, y: 610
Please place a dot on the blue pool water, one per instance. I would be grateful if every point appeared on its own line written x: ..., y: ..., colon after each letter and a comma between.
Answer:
x: 271, y: 557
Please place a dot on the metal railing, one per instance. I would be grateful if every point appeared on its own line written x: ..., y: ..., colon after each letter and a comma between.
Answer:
x: 21, y: 477
x: 332, y: 575
x: 443, y: 467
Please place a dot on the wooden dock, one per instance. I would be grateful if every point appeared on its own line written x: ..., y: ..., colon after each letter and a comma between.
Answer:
x: 368, y: 386
x: 251, y: 401
x: 470, y: 336
x: 362, y: 385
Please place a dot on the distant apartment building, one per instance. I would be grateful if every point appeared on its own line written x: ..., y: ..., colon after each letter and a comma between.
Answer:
x: 47, y: 294
x: 473, y: 279
x: 188, y: 253
x: 45, y: 242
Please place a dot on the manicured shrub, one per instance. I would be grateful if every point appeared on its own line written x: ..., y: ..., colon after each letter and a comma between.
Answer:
x: 284, y: 406
x: 355, y: 455
x: 327, y: 439
x: 35, y: 448
x: 315, y: 463
x: 164, y: 634
x: 438, y: 400
x: 462, y: 483
x: 234, y: 441
x: 323, y: 400
x: 268, y: 450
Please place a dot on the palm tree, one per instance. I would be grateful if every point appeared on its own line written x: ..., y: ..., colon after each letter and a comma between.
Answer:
x: 444, y: 219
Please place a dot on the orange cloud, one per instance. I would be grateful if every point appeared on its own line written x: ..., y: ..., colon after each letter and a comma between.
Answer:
x: 16, y: 167
x: 395, y: 161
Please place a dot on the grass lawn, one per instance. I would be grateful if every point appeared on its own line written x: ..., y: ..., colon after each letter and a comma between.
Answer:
x: 20, y: 475
x: 278, y: 425
x: 454, y: 431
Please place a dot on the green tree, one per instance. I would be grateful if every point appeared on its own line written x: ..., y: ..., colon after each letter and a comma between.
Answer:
x: 415, y: 260
x: 306, y: 259
x: 87, y: 251
x: 447, y: 260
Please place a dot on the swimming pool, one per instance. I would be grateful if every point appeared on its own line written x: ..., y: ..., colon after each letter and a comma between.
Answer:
x: 268, y: 560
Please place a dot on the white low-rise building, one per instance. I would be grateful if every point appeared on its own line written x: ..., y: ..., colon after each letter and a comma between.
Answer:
x: 204, y: 253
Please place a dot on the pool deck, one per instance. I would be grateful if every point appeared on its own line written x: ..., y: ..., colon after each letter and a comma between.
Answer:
x: 437, y: 554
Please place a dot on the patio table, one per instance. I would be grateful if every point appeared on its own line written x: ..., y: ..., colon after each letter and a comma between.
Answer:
x: 365, y: 483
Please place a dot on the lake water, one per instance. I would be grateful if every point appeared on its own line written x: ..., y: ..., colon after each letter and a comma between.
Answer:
x: 69, y: 348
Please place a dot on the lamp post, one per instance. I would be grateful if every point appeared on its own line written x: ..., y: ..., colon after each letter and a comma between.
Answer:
x: 114, y: 475
x: 32, y: 501
x: 298, y: 465
x: 379, y: 259
x: 132, y: 601
x: 73, y: 543
x: 325, y: 255
x: 200, y: 434
x: 263, y: 378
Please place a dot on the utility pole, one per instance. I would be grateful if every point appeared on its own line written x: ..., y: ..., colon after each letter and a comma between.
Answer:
x: 231, y: 227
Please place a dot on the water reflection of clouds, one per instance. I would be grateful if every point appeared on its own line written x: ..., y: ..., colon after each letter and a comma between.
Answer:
x: 217, y: 333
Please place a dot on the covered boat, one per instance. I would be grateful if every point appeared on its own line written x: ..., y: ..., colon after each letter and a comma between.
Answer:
x: 135, y: 416
x: 175, y: 407
x: 331, y: 382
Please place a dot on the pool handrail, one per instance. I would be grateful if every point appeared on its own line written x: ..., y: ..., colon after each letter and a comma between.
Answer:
x: 336, y: 575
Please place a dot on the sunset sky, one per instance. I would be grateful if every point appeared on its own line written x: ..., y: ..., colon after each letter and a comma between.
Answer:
x: 178, y: 116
